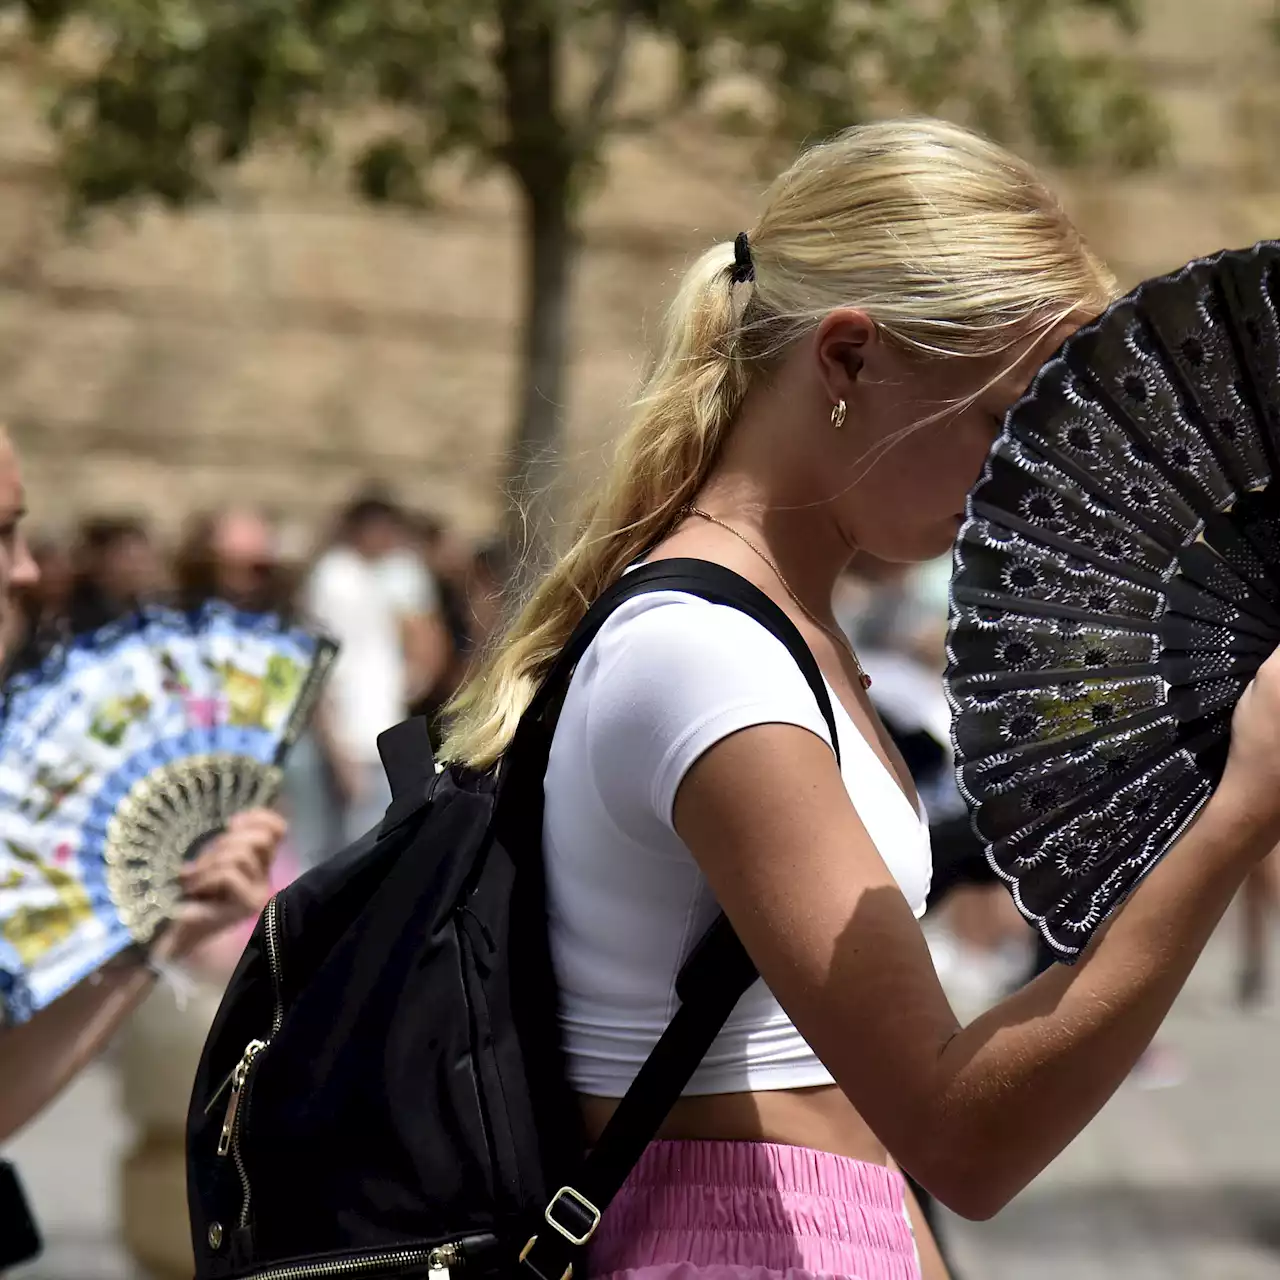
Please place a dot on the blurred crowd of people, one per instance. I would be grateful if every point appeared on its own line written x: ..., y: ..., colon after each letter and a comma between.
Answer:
x: 411, y: 603
x: 408, y: 600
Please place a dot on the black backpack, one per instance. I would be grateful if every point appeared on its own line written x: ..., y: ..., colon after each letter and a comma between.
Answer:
x: 382, y: 1092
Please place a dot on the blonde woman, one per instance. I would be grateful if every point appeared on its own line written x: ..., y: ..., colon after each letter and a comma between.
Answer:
x: 832, y: 380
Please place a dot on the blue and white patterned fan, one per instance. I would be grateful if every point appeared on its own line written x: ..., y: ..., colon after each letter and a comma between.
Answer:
x: 119, y: 754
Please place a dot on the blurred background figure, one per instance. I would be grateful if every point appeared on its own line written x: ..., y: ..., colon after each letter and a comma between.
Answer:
x: 232, y: 555
x: 372, y: 591
x: 447, y: 558
x: 484, y: 596
x: 116, y: 568
x: 469, y: 591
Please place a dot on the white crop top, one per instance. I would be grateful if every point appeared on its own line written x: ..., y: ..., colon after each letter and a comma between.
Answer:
x: 667, y: 677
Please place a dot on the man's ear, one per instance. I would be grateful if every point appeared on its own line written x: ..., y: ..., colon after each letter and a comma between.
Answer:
x: 844, y: 340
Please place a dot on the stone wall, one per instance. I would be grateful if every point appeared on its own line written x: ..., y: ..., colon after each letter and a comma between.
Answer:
x: 289, y: 342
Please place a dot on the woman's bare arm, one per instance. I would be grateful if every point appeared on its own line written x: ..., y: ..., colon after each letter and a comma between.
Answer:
x: 974, y: 1113
x: 39, y: 1058
x: 225, y: 884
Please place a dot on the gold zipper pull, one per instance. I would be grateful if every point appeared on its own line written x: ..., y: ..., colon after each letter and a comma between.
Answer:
x: 238, y: 1077
x: 233, y: 1105
x: 220, y: 1090
x: 440, y: 1259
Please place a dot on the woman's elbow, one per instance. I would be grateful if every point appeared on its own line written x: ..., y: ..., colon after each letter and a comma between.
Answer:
x: 976, y: 1188
x: 976, y: 1203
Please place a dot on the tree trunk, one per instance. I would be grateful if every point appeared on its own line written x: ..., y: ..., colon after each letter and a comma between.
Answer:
x: 533, y: 470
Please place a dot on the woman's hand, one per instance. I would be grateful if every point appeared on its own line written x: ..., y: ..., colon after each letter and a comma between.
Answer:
x: 1249, y: 793
x: 225, y: 884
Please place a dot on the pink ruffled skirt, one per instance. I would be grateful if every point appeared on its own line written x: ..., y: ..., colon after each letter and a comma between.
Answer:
x: 755, y: 1211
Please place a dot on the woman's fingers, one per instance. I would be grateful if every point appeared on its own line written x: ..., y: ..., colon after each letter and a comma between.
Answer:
x: 234, y: 884
x: 260, y: 829
x: 244, y: 853
x: 205, y: 876
x: 259, y: 820
x: 249, y: 842
x: 227, y: 883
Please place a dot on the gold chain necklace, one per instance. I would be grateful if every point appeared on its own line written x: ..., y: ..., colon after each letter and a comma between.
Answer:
x: 842, y: 641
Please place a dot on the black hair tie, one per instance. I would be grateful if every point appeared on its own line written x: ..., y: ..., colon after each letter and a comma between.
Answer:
x: 744, y: 269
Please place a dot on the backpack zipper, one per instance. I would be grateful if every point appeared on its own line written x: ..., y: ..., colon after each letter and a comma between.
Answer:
x: 229, y: 1140
x: 439, y: 1261
x: 239, y: 1075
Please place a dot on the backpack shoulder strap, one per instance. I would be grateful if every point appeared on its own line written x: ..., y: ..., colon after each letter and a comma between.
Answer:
x: 703, y: 578
x: 717, y: 972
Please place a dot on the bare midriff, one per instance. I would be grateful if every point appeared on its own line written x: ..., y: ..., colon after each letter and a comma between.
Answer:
x: 821, y: 1118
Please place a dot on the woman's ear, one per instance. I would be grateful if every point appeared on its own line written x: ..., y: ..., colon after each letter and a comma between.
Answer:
x: 844, y: 340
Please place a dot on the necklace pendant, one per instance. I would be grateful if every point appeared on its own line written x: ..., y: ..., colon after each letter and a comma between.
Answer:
x: 864, y: 680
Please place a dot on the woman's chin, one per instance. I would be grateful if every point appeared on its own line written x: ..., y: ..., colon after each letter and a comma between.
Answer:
x: 918, y: 545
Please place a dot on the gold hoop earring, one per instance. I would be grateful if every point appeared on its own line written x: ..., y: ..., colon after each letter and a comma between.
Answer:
x: 837, y: 414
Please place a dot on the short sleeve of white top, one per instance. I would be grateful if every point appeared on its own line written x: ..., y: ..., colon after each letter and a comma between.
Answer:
x: 668, y: 676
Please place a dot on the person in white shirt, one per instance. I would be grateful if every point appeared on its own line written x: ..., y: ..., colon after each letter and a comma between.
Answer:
x: 378, y: 601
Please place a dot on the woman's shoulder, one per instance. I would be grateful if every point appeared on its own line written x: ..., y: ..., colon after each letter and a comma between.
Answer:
x: 671, y: 674
x: 662, y: 618
x: 694, y: 646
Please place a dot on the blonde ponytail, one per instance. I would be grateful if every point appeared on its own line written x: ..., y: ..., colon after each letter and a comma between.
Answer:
x: 952, y: 245
x: 661, y: 461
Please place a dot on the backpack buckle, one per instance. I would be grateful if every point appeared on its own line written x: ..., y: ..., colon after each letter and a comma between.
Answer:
x: 583, y: 1215
x: 584, y: 1218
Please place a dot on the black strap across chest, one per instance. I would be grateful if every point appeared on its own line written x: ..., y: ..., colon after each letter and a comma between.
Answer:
x: 716, y: 973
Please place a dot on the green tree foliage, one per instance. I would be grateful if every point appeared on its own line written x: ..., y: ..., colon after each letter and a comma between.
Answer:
x: 170, y: 92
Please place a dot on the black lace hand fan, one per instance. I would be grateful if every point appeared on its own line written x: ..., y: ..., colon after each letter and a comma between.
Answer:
x: 1116, y: 586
